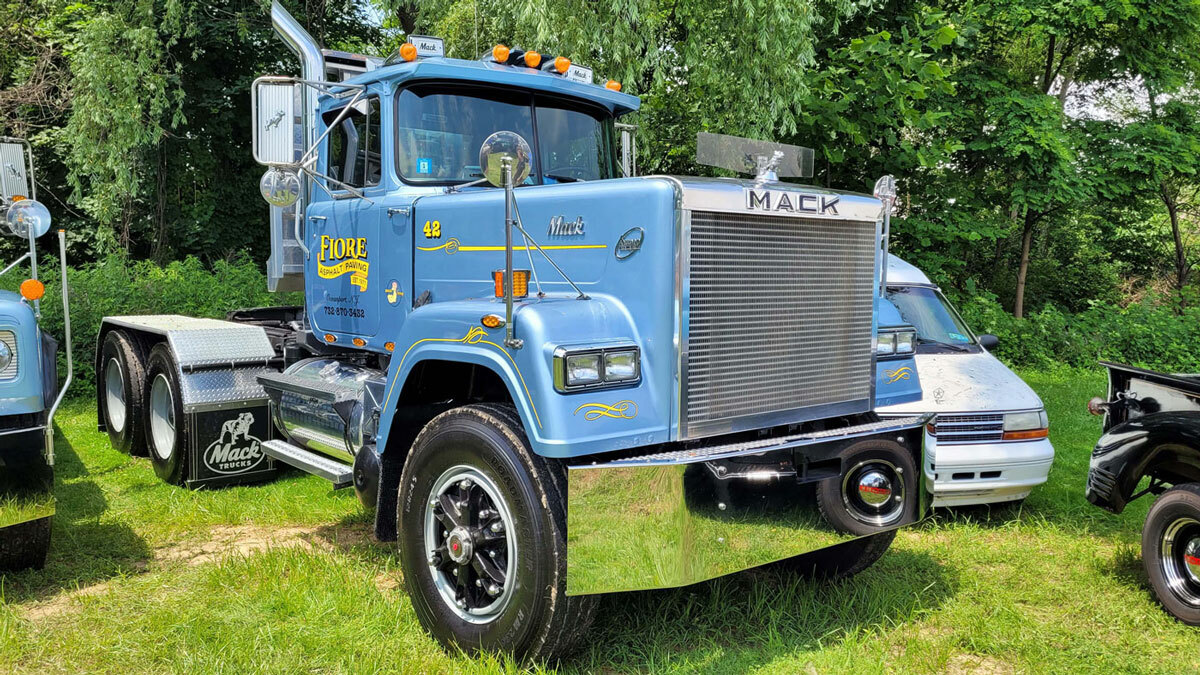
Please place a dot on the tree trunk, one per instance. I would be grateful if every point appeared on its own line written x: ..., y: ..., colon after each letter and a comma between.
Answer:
x: 1181, y: 264
x: 1023, y: 270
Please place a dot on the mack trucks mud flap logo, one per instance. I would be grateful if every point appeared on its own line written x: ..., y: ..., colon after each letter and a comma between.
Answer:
x: 235, y: 450
x: 344, y: 255
x: 791, y: 202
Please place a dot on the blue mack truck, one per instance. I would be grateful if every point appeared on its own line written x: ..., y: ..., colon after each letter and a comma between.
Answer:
x: 549, y: 381
x: 30, y: 392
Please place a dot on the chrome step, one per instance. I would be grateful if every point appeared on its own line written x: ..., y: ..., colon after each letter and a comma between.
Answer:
x: 341, y: 475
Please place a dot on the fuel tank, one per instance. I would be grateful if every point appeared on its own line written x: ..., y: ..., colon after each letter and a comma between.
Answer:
x: 339, y: 412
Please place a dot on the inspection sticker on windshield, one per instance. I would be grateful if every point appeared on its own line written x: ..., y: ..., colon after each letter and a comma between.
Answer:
x: 424, y: 165
x: 580, y: 74
x: 959, y: 337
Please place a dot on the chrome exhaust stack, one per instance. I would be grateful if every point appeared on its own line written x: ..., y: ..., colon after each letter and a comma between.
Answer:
x: 312, y: 63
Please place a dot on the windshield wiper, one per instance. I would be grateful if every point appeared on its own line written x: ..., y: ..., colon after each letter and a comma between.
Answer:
x: 563, y: 179
x: 947, y: 345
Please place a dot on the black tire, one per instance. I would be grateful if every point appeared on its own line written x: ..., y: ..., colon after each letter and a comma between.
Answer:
x: 531, y: 617
x: 168, y: 452
x: 25, y: 545
x: 123, y: 352
x: 842, y: 504
x: 1170, y: 538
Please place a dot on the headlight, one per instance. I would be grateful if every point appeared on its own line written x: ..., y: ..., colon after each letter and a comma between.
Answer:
x: 6, y: 355
x: 583, y: 369
x: 1024, y: 426
x: 596, y: 368
x: 905, y: 340
x: 885, y: 344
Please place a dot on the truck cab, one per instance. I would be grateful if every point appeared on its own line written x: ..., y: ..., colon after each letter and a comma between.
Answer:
x: 550, y: 378
x: 29, y: 388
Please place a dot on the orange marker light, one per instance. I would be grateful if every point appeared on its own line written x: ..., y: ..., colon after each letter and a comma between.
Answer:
x: 359, y: 342
x: 32, y: 289
x: 408, y: 51
x: 492, y: 321
x: 498, y: 280
x: 1026, y: 435
x: 17, y: 198
x: 330, y: 338
x: 390, y: 346
x: 561, y: 64
x: 500, y: 54
x: 533, y: 59
x: 613, y: 84
x: 520, y: 283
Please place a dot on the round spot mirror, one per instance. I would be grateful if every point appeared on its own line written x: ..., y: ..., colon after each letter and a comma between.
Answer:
x: 280, y: 187
x: 497, y: 147
x: 28, y: 216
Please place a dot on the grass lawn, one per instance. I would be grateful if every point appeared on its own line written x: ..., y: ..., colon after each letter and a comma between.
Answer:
x: 284, y: 577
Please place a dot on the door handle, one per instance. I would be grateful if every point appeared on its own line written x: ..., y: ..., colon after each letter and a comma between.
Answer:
x: 317, y: 218
x: 403, y: 210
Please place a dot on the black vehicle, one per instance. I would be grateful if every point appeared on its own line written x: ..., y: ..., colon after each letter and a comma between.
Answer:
x: 1152, y: 429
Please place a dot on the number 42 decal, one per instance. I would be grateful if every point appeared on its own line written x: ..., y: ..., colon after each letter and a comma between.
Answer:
x: 433, y: 229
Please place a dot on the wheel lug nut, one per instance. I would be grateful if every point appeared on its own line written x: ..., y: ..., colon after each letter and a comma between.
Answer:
x: 491, y: 554
x: 465, y: 484
x: 462, y: 604
x: 433, y: 502
x: 435, y: 559
x: 497, y: 526
x: 478, y: 582
x: 493, y: 590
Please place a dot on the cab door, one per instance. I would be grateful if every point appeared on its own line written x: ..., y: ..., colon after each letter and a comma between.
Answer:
x: 344, y: 238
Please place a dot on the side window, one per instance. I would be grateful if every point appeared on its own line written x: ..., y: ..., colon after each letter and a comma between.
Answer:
x: 353, y: 149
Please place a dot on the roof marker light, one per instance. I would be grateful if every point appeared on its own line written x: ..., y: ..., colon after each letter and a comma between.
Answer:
x: 500, y: 54
x: 613, y: 84
x: 533, y: 59
x: 561, y: 64
x: 408, y: 51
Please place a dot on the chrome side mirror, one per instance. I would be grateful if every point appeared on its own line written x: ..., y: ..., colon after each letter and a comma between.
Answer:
x: 500, y: 146
x: 273, y: 113
x: 28, y: 219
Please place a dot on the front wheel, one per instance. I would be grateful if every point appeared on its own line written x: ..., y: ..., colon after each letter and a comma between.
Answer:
x: 877, y: 490
x: 1171, y: 551
x: 483, y: 538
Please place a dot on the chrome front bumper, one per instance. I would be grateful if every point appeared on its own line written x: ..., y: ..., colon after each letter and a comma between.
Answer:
x: 676, y: 518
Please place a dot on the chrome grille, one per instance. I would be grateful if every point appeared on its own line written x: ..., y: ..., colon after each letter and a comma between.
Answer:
x: 969, y: 428
x: 9, y: 338
x: 779, y: 320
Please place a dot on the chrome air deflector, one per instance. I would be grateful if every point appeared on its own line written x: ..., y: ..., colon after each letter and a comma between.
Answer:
x: 685, y: 515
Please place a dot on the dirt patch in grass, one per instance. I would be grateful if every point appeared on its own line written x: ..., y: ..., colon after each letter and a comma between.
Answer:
x: 972, y: 664
x: 61, y: 603
x: 240, y: 539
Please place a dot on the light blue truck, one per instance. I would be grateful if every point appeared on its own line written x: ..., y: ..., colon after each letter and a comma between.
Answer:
x: 548, y: 380
x: 29, y: 388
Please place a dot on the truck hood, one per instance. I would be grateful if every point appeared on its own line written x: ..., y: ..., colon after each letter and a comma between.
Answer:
x: 967, y: 383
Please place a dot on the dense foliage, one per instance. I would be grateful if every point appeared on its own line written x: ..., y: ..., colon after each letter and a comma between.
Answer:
x: 1047, y: 150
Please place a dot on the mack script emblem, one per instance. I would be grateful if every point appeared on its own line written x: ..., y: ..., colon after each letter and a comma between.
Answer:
x: 235, y: 450
x: 791, y: 202
x: 561, y: 227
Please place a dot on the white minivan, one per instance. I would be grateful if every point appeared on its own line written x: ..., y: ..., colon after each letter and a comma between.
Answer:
x: 989, y: 442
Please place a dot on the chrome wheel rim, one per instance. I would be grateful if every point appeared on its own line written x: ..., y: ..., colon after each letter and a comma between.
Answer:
x: 114, y: 395
x: 470, y: 554
x: 873, y: 492
x: 1179, y: 559
x: 162, y: 417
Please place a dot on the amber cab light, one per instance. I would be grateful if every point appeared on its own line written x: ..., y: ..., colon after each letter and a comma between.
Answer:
x: 500, y: 54
x: 359, y: 342
x: 520, y: 283
x: 330, y: 338
x: 492, y: 321
x: 613, y: 84
x: 390, y: 346
x: 408, y: 51
x: 562, y: 64
x: 32, y: 290
x: 533, y: 59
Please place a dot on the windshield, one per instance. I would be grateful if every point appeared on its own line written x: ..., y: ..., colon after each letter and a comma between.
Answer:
x: 931, y: 314
x: 440, y: 129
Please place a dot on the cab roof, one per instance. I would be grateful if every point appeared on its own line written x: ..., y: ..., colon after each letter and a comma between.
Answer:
x: 902, y: 273
x: 487, y: 72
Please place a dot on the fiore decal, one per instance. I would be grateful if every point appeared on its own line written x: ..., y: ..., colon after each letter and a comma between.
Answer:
x: 235, y: 450
x: 620, y: 410
x: 344, y: 255
x: 897, y: 375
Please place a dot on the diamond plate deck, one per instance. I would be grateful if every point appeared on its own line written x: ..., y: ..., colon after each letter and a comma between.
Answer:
x: 199, y: 343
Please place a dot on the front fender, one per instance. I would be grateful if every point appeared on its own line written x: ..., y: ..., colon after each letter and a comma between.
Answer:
x: 1128, y: 451
x: 22, y: 394
x: 557, y: 425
